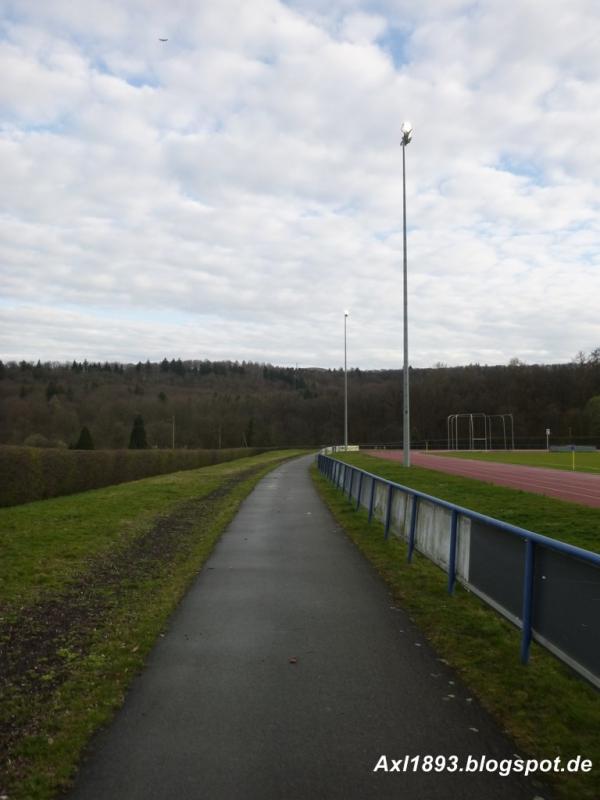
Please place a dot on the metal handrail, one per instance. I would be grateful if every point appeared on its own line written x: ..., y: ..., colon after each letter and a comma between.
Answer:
x: 538, y: 538
x: 332, y: 469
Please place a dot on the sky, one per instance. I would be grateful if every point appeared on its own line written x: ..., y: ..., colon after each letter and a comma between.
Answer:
x: 231, y: 192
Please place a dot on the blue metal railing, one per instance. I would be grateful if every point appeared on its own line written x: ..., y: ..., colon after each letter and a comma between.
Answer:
x: 343, y: 475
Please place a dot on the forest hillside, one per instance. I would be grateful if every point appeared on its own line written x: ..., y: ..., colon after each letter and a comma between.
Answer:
x: 228, y: 404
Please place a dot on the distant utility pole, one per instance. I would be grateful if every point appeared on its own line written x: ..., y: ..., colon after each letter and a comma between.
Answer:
x: 173, y: 433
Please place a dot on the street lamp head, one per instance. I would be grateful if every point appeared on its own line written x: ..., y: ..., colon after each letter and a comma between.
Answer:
x: 407, y: 132
x: 346, y: 313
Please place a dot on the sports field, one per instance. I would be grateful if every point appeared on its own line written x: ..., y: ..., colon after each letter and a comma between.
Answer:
x: 564, y: 484
x: 584, y: 462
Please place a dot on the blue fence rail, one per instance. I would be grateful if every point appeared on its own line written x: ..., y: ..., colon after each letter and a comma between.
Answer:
x: 549, y: 589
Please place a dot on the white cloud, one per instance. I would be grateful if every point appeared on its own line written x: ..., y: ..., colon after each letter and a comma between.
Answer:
x: 363, y: 28
x: 244, y: 178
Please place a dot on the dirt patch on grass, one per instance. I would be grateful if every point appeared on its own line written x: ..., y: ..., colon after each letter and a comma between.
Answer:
x: 40, y: 643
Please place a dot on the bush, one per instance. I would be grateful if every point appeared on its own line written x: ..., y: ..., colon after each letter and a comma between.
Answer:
x: 37, y: 440
x: 31, y: 473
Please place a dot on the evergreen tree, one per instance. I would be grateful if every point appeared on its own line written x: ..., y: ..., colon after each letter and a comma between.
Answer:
x: 85, y: 441
x: 51, y: 389
x: 137, y: 440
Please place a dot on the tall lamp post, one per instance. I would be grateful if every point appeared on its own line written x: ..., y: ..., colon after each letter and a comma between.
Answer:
x: 407, y: 132
x: 345, y: 387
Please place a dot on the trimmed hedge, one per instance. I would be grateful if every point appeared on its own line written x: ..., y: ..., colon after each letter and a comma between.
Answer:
x: 33, y: 473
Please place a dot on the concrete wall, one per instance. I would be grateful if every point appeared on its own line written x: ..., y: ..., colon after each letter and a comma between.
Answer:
x: 432, y: 533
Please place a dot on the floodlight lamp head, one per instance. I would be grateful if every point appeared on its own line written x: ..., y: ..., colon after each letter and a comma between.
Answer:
x: 407, y: 132
x: 346, y: 313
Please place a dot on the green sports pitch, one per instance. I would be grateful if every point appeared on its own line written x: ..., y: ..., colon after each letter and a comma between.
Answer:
x: 582, y: 462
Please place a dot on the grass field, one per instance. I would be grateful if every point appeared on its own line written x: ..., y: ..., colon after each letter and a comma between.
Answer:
x: 546, y: 708
x: 584, y: 462
x: 88, y: 582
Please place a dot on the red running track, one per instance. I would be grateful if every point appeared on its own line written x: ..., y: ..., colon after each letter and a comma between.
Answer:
x: 575, y: 487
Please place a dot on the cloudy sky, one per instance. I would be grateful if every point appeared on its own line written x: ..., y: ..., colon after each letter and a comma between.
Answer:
x: 228, y: 193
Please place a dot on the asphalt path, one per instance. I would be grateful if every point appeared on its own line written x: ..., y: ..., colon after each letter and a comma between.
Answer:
x: 287, y: 673
x: 574, y: 487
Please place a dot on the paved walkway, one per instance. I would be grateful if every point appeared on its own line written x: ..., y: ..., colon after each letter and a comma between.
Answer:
x: 286, y: 674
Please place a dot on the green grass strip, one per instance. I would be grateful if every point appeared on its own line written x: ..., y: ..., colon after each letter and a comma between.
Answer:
x: 569, y: 522
x: 50, y: 709
x: 45, y: 543
x: 545, y: 707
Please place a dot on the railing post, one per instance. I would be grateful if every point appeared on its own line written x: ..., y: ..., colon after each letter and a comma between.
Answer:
x: 388, y: 511
x: 413, y: 527
x: 360, y: 483
x: 527, y: 614
x: 452, y: 554
x: 350, y: 483
x: 372, y: 498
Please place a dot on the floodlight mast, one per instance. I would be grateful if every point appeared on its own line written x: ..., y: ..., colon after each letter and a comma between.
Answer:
x: 407, y: 132
x: 346, y: 314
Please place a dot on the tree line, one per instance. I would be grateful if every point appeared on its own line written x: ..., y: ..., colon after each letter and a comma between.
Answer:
x: 218, y: 404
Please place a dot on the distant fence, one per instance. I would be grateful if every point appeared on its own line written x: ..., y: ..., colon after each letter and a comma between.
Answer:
x: 494, y: 443
x: 572, y: 448
x: 549, y: 589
